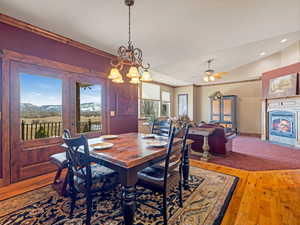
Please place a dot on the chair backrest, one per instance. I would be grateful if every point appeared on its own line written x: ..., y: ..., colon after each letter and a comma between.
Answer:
x: 67, y: 133
x: 78, y: 157
x: 174, y: 155
x: 162, y: 127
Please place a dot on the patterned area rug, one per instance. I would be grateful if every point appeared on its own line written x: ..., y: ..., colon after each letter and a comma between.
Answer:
x: 204, y: 204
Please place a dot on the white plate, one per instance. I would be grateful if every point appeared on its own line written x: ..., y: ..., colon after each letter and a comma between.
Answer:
x: 107, y: 137
x: 148, y: 135
x: 102, y: 145
x: 161, y: 138
x: 157, y: 144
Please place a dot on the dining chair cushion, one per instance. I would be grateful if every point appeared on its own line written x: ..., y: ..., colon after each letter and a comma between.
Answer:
x: 59, y: 159
x: 154, y: 177
x: 103, y: 179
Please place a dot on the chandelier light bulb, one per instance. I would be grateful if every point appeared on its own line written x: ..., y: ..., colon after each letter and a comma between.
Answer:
x: 134, y: 80
x: 212, y: 78
x: 146, y: 76
x: 114, y: 73
x: 206, y: 78
x: 133, y: 72
x: 118, y: 80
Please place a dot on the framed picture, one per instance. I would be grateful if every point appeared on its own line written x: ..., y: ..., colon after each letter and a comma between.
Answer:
x: 182, y: 104
x: 283, y: 86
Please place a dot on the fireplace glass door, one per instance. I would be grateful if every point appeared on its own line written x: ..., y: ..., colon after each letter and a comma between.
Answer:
x: 282, y: 124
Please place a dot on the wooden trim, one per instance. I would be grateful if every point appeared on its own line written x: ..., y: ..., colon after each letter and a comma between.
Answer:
x: 161, y: 83
x: 291, y: 96
x: 230, y: 82
x: 37, y: 61
x: 5, y: 123
x: 53, y: 36
x: 250, y: 134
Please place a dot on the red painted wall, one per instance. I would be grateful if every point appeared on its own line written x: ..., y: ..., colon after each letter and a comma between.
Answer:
x: 29, y: 43
x: 267, y: 76
x: 1, y: 164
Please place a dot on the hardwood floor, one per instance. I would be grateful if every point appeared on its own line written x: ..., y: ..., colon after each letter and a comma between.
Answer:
x: 261, y: 198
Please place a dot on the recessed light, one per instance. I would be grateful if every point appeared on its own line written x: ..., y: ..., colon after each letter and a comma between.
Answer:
x: 262, y: 53
x: 283, y: 40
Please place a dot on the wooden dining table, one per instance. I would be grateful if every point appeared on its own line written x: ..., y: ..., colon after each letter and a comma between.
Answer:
x: 129, y: 155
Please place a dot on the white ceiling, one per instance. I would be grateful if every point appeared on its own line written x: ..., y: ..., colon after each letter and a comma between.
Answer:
x: 176, y: 36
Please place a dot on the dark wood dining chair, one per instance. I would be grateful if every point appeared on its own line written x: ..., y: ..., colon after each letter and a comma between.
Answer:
x: 159, y: 177
x: 85, y: 177
x: 60, y: 160
x: 162, y: 127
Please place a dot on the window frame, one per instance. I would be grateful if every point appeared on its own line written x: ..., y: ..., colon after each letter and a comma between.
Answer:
x: 81, y: 78
x: 187, y: 104
x: 140, y: 94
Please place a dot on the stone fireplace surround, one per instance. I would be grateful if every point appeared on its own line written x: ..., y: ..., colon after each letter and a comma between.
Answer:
x: 287, y: 106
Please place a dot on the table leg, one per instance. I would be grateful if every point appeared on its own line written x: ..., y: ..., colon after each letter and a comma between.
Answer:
x: 128, y: 204
x: 205, y: 155
x: 186, y: 168
x: 128, y: 181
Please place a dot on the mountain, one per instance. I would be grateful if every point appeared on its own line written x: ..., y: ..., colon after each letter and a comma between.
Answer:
x: 29, y: 110
x: 90, y: 107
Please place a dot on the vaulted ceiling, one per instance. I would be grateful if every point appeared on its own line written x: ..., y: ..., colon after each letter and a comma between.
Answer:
x: 176, y: 36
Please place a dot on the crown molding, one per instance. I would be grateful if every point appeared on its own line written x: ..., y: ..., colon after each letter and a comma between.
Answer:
x: 229, y: 82
x: 53, y: 36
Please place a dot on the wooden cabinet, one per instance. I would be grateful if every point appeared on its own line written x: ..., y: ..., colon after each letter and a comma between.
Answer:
x: 223, y: 111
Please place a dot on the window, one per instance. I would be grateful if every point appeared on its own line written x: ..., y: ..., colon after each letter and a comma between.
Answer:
x: 88, y: 107
x: 150, y: 102
x: 153, y: 102
x: 41, y: 107
x: 166, y: 103
x: 182, y: 105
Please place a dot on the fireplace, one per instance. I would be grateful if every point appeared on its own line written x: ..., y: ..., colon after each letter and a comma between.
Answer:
x: 283, y: 127
x: 281, y: 120
x: 283, y: 124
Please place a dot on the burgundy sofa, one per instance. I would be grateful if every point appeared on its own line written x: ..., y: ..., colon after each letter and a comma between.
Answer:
x: 218, y: 141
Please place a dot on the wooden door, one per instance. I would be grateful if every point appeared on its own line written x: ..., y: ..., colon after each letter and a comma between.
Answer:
x: 45, y: 101
x: 39, y: 108
x: 1, y: 158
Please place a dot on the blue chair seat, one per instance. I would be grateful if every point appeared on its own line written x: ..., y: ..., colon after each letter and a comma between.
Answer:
x: 103, y: 179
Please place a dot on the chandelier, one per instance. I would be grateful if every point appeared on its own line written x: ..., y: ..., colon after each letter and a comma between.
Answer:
x: 131, y: 57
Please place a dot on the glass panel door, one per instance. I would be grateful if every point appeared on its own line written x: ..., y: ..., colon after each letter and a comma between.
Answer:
x: 88, y: 107
x: 40, y: 107
x: 88, y: 102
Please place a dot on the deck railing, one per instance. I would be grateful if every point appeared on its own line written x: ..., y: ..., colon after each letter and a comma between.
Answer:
x: 37, y: 130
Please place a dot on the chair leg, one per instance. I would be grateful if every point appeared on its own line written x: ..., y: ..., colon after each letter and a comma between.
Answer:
x: 165, y: 209
x: 180, y: 194
x: 57, y: 175
x: 180, y: 188
x: 64, y: 191
x: 73, y: 201
x: 89, y: 205
x: 73, y: 192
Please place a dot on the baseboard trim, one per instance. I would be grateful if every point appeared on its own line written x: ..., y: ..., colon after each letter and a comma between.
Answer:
x: 250, y: 134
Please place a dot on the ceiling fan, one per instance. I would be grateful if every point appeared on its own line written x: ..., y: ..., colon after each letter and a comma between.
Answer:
x: 210, y: 74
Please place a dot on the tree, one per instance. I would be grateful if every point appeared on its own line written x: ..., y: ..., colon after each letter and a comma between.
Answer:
x: 41, y: 133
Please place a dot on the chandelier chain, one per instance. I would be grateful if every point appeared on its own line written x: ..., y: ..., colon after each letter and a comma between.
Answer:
x: 129, y: 26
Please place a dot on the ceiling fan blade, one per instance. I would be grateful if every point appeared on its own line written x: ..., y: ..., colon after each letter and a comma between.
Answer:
x: 219, y: 75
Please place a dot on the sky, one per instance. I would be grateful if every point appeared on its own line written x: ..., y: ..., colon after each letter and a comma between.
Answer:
x: 44, y: 90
